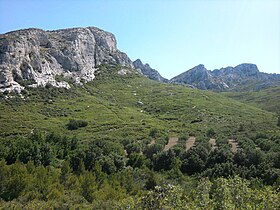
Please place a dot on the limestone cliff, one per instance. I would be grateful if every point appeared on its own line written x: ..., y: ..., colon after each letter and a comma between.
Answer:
x: 34, y: 57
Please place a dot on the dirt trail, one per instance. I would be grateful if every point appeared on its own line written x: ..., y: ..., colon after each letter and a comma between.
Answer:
x: 234, y: 145
x: 190, y: 142
x: 213, y: 144
x: 171, y: 142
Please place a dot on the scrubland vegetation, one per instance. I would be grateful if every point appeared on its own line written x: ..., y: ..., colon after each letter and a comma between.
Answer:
x: 101, y: 146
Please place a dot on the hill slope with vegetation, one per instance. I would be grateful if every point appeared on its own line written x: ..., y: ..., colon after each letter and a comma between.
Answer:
x: 267, y: 99
x: 101, y: 145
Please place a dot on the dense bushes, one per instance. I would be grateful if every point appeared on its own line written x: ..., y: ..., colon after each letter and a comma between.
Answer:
x: 27, y: 186
x: 76, y: 124
x: 51, y: 149
x: 50, y: 168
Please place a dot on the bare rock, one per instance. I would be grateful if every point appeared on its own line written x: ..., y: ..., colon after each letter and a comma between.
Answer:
x: 244, y: 77
x: 149, y: 72
x: 34, y: 57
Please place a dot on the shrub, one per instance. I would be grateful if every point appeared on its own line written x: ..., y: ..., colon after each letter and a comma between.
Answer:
x: 76, y: 124
x: 211, y: 132
x: 153, y: 133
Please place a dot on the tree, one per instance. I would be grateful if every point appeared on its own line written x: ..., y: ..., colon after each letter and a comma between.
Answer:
x: 255, y: 157
x: 201, y: 195
x: 152, y: 180
x: 46, y: 154
x: 153, y: 133
x: 77, y: 164
x: 194, y: 160
x: 221, y: 194
x: 221, y: 155
x: 133, y: 148
x: 240, y: 158
x: 136, y: 160
x: 14, y: 180
x: 165, y: 197
x: 211, y: 132
x: 152, y: 150
x: 88, y: 186
x: 192, y: 163
x: 164, y: 160
x: 65, y: 172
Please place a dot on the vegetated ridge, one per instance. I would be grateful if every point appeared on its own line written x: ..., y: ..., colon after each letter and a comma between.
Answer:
x: 267, y: 99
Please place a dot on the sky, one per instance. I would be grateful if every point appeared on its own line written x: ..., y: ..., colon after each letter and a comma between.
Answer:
x: 172, y: 36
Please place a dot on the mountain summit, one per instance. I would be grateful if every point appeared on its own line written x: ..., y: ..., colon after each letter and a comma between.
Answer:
x: 245, y: 76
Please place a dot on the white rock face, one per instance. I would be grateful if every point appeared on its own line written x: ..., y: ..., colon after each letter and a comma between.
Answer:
x: 34, y: 57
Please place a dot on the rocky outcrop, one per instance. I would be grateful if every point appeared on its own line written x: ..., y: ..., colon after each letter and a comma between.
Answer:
x: 34, y: 57
x: 148, y: 71
x: 244, y: 77
x: 199, y: 77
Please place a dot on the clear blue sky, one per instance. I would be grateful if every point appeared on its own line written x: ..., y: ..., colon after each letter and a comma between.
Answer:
x: 172, y: 36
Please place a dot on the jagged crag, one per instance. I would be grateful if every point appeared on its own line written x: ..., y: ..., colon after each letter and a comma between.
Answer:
x: 244, y: 77
x: 34, y: 57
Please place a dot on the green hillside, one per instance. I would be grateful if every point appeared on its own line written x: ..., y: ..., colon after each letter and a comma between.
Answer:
x: 267, y: 99
x: 129, y: 105
x: 101, y: 146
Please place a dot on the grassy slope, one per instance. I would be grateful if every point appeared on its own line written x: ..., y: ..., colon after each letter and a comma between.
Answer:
x: 111, y: 105
x: 267, y: 99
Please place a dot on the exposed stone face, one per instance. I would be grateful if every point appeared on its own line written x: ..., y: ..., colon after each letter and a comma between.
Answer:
x: 148, y: 71
x: 199, y: 77
x: 242, y: 77
x: 35, y: 57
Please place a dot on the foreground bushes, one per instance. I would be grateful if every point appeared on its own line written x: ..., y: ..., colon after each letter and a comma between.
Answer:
x: 44, y: 171
x: 26, y: 186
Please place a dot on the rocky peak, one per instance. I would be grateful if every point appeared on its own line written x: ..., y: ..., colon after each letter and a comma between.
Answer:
x: 242, y: 77
x: 138, y: 64
x: 146, y: 70
x: 199, y: 67
x: 196, y: 73
x: 36, y: 57
x: 200, y: 71
x: 198, y: 77
x: 247, y: 69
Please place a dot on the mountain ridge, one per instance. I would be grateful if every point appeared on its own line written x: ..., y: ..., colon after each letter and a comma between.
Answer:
x: 244, y: 77
x: 34, y: 57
